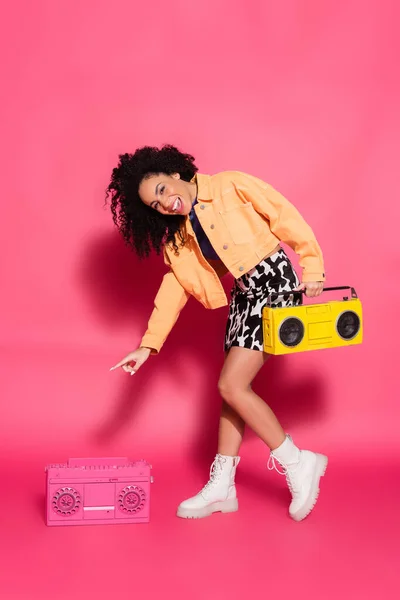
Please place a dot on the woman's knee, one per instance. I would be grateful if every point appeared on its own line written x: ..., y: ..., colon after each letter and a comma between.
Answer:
x: 230, y: 389
x: 223, y: 387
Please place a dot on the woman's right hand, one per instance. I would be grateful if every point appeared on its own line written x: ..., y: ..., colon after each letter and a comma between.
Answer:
x: 133, y: 361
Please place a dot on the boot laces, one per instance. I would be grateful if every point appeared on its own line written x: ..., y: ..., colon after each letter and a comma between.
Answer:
x: 215, y: 472
x: 288, y: 471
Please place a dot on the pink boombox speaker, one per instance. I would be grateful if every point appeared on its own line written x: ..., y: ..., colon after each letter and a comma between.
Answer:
x: 93, y: 491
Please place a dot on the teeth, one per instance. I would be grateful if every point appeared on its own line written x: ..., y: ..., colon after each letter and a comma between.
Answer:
x: 175, y: 205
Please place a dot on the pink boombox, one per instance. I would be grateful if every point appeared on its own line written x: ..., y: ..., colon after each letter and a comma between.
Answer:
x: 93, y: 491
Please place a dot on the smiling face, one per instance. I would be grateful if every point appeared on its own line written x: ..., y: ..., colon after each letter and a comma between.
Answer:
x: 168, y: 194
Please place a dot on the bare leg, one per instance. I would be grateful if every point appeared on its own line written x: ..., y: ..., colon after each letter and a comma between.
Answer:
x: 231, y: 430
x: 303, y: 469
x: 240, y: 368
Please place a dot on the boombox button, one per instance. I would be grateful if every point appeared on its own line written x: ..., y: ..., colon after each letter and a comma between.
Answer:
x: 151, y: 479
x: 113, y: 479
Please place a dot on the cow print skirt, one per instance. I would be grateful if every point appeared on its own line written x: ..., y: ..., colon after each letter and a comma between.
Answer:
x: 249, y: 296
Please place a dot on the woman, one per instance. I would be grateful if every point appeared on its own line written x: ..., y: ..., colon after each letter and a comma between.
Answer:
x: 207, y: 226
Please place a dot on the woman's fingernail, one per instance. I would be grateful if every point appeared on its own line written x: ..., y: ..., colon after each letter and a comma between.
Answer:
x: 132, y: 372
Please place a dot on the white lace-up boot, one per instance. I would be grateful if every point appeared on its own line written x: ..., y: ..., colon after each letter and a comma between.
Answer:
x: 303, y: 470
x: 218, y: 495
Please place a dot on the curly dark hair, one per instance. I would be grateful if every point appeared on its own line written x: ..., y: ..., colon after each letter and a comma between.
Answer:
x: 143, y: 228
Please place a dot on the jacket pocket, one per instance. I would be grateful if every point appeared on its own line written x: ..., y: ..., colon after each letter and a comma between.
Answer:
x: 242, y: 222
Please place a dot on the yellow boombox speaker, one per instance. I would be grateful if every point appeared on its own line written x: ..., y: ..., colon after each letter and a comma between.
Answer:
x: 303, y: 327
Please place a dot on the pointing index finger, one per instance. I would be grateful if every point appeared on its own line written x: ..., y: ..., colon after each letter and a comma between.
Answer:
x: 120, y: 364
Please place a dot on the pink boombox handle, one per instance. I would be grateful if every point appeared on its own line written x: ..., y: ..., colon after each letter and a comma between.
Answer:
x: 98, y: 462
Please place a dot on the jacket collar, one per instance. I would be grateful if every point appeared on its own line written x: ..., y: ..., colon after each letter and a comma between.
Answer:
x: 203, y: 195
x: 203, y: 187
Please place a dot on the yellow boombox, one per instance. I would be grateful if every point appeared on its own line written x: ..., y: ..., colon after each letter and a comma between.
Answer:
x: 312, y: 326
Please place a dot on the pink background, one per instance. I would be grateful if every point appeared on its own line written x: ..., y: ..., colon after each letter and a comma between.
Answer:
x: 302, y: 94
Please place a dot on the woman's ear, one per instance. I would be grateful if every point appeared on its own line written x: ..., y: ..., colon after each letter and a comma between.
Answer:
x: 176, y: 175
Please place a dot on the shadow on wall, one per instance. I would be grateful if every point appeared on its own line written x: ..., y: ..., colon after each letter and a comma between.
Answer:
x: 120, y: 288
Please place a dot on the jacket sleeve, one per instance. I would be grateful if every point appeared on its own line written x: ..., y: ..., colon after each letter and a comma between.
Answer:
x: 285, y: 222
x: 169, y: 301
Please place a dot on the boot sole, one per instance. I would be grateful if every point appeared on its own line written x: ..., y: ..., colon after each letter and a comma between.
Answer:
x: 227, y: 506
x: 320, y: 470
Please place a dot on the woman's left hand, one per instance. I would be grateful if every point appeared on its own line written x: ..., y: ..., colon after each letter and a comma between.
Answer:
x: 312, y: 288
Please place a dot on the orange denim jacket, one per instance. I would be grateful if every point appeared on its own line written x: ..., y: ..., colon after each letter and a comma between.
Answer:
x: 244, y: 219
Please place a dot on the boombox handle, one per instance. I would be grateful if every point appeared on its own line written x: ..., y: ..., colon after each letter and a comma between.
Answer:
x: 299, y: 294
x: 119, y: 461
